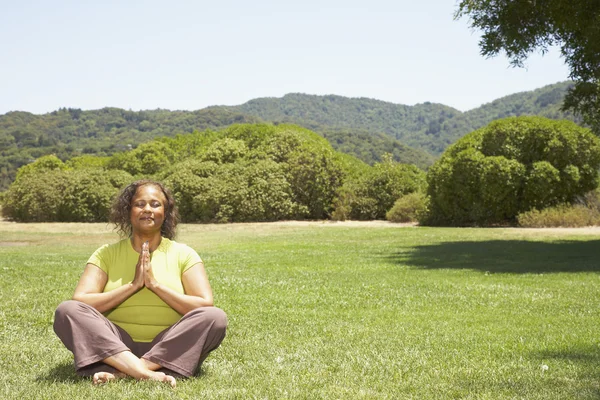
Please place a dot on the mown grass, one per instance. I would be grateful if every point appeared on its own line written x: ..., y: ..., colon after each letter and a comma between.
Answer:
x: 329, y: 311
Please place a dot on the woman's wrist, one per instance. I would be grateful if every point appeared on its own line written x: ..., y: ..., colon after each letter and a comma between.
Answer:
x: 153, y: 285
x: 135, y: 286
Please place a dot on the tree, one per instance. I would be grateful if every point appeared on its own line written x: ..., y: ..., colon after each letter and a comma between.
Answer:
x: 311, y: 166
x: 509, y: 167
x: 258, y: 172
x: 372, y: 194
x: 42, y: 164
x: 53, y: 195
x: 246, y: 191
x: 148, y: 159
x: 520, y: 27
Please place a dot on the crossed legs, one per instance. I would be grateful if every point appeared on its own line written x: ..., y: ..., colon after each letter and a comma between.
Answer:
x: 105, y: 351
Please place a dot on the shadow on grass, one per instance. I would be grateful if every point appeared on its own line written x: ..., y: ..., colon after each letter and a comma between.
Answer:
x: 589, y: 357
x: 585, y: 360
x: 62, y: 373
x: 566, y: 373
x: 506, y: 256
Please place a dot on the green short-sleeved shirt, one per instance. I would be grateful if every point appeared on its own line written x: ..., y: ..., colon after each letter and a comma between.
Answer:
x: 144, y: 315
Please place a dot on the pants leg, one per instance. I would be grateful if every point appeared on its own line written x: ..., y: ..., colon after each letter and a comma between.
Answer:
x: 183, y: 347
x: 90, y: 336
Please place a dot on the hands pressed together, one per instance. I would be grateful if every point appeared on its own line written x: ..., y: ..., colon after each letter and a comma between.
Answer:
x: 144, y: 276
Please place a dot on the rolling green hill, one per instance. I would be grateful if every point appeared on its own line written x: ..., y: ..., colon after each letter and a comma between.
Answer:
x: 370, y: 146
x: 72, y: 132
x: 365, y: 128
x: 428, y: 126
x: 543, y: 102
x: 408, y: 124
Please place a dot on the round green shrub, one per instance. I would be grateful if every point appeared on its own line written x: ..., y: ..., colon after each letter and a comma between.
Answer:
x: 35, y: 197
x: 63, y: 195
x: 186, y: 180
x: 313, y: 169
x: 225, y: 150
x: 408, y: 208
x: 234, y: 192
x: 42, y: 164
x: 88, y: 194
x: 147, y: 159
x: 511, y: 166
x: 374, y: 192
x: 258, y: 172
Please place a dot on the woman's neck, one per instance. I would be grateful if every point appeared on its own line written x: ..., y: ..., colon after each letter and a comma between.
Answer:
x: 138, y: 239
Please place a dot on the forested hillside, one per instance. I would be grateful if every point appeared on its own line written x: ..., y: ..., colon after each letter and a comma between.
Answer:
x: 67, y: 133
x: 409, y: 124
x: 361, y: 127
x: 543, y: 102
x: 370, y: 146
x: 429, y: 127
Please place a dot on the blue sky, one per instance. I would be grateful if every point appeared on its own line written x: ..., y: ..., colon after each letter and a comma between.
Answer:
x: 187, y: 55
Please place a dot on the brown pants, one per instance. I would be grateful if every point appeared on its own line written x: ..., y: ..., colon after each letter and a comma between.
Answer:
x: 180, y: 349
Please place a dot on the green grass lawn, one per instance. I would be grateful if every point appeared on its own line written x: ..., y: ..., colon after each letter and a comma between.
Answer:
x: 329, y: 311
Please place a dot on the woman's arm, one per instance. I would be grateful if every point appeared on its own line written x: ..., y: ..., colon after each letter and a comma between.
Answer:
x: 90, y: 289
x: 198, y: 292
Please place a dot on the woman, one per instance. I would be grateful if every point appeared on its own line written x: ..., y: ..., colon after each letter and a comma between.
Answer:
x: 143, y: 306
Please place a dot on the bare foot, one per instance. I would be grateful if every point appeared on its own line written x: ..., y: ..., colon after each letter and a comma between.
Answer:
x: 162, y: 377
x: 152, y: 366
x: 101, y: 378
x: 130, y: 365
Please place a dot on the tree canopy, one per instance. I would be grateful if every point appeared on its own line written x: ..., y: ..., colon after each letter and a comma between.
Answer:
x: 520, y: 27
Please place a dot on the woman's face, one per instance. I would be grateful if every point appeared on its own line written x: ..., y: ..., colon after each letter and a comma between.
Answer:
x: 147, y: 209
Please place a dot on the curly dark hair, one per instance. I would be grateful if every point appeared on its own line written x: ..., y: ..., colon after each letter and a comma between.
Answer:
x: 121, y: 210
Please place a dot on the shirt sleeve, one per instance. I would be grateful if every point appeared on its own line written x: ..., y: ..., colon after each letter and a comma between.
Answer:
x: 99, y: 258
x: 188, y: 258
